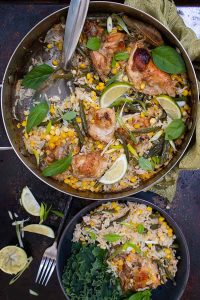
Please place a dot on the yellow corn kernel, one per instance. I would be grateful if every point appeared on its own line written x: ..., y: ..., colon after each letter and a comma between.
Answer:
x: 129, y: 258
x: 164, y: 223
x: 52, y: 109
x: 97, y: 87
x: 55, y: 62
x: 82, y: 66
x: 142, y: 114
x: 89, y: 76
x: 52, y: 146
x: 186, y: 107
x: 170, y: 232
x: 60, y: 46
x: 133, y: 179
x: 185, y: 93
x: 26, y: 135
x: 136, y: 126
x: 114, y: 71
x: 90, y: 80
x: 169, y: 256
x: 101, y: 84
x: 128, y: 49
x: 160, y: 219
x: 18, y: 125
x: 78, y: 120
x: 167, y: 251
x: 117, y: 65
x: 24, y: 123
x: 140, y: 211
x: 149, y: 245
x: 142, y: 86
x: 100, y: 146
x: 49, y: 46
x: 149, y: 208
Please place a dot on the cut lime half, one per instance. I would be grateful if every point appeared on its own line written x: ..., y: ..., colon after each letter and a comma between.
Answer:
x: 12, y: 259
x: 170, y: 106
x: 39, y: 229
x: 29, y: 202
x: 112, y: 92
x: 116, y: 171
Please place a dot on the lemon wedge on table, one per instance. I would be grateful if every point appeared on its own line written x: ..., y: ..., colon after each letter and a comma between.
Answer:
x: 170, y: 106
x: 39, y: 229
x: 116, y: 171
x: 29, y: 202
x: 112, y: 92
x: 12, y: 259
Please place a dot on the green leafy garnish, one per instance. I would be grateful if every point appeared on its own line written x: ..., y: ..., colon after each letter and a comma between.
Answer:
x: 37, y: 76
x: 44, y: 212
x: 121, y: 56
x: 140, y: 228
x: 37, y: 115
x: 131, y: 245
x: 146, y: 164
x: 68, y: 116
x: 144, y: 295
x: 174, y: 130
x: 86, y: 275
x: 57, y: 213
x: 113, y: 78
x: 93, y: 43
x: 112, y: 237
x: 121, y: 23
x: 113, y: 63
x: 168, y: 60
x: 92, y: 235
x: 58, y: 166
x: 121, y: 101
x: 48, y: 128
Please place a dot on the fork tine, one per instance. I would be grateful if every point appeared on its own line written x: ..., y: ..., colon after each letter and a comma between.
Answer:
x: 47, y: 270
x: 50, y: 273
x: 44, y: 269
x: 40, y: 269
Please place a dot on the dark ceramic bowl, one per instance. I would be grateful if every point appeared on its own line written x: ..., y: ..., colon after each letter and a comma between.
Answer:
x: 169, y: 291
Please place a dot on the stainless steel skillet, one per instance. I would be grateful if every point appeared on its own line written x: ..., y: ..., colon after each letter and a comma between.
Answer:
x: 17, y: 67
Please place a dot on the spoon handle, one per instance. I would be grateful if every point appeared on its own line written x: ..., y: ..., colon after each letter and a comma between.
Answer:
x: 74, y: 24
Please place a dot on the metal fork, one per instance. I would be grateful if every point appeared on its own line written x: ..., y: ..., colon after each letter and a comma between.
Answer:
x: 48, y: 262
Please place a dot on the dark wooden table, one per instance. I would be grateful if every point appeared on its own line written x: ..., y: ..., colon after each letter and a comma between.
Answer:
x: 16, y: 19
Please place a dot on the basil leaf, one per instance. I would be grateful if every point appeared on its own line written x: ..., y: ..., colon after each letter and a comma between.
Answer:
x: 121, y: 23
x: 113, y: 78
x: 48, y: 128
x: 37, y: 76
x: 168, y: 60
x: 57, y: 213
x: 113, y: 63
x: 140, y: 228
x: 37, y: 115
x: 174, y: 130
x: 112, y: 237
x: 146, y: 164
x: 93, y: 43
x: 92, y: 235
x: 58, y: 166
x: 144, y: 295
x: 121, y: 56
x: 68, y: 116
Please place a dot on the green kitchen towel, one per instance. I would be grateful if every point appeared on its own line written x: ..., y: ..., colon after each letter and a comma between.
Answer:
x: 165, y: 11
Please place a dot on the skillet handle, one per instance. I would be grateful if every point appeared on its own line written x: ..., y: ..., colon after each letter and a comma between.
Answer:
x: 2, y: 148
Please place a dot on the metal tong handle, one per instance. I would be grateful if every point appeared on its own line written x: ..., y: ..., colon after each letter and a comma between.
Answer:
x: 74, y: 24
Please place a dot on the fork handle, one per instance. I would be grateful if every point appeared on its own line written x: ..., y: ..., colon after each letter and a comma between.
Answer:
x: 62, y: 223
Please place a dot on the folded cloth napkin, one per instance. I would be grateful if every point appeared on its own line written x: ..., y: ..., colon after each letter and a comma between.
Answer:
x: 165, y: 11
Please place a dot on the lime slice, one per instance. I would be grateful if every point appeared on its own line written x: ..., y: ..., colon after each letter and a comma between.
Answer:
x: 170, y: 106
x: 40, y: 229
x: 116, y: 172
x: 29, y: 202
x: 12, y: 259
x: 112, y: 92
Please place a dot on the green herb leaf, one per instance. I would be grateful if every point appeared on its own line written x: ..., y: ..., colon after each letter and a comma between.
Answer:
x: 48, y: 128
x: 44, y: 212
x: 174, y: 130
x: 168, y: 60
x: 93, y: 43
x: 121, y: 56
x: 70, y: 115
x: 131, y: 245
x: 121, y: 23
x: 114, y: 78
x: 146, y: 164
x: 58, y: 166
x: 120, y: 101
x: 57, y: 213
x: 144, y: 295
x: 113, y: 63
x: 37, y: 115
x: 112, y: 237
x: 37, y: 76
x: 140, y: 228
x: 92, y: 235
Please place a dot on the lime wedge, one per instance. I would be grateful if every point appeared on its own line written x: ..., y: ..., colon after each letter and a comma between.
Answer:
x: 116, y: 172
x: 12, y: 259
x: 112, y: 92
x: 29, y: 202
x: 39, y: 229
x: 170, y: 106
